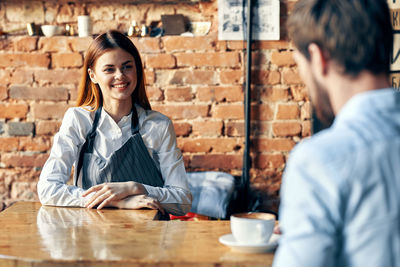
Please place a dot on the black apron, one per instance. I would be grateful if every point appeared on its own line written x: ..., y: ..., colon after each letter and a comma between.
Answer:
x: 131, y: 162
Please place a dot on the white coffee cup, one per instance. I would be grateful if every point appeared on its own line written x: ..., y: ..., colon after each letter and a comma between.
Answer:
x: 84, y: 26
x: 252, y: 227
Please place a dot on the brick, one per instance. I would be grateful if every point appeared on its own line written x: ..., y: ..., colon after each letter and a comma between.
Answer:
x: 180, y: 43
x: 23, y: 160
x: 154, y: 93
x: 102, y: 12
x: 103, y: 25
x: 234, y: 129
x: 275, y: 94
x: 228, y: 112
x: 216, y: 59
x: 20, y: 128
x: 5, y: 77
x: 24, y: 191
x: 38, y: 93
x: 220, y: 93
x: 186, y: 77
x: 58, y: 76
x: 306, y: 111
x: 178, y: 112
x: 269, y: 161
x: 54, y: 44
x: 11, y: 111
x: 46, y: 111
x: 236, y: 45
x: 182, y: 128
x: 299, y: 93
x: 220, y: 45
x: 273, y: 145
x: 27, y: 12
x: 3, y: 92
x: 288, y: 112
x: 73, y: 94
x: 22, y: 76
x: 1, y: 127
x: 266, y: 77
x: 25, y: 44
x: 261, y: 128
x: 207, y: 128
x: 286, y: 128
x: 186, y: 161
x: 47, y: 127
x: 291, y: 77
x: 262, y: 45
x: 284, y: 58
x: 9, y: 144
x: 261, y: 112
x: 216, y: 161
x: 66, y: 60
x: 150, y: 77
x: 24, y: 60
x: 5, y: 43
x: 179, y: 94
x: 80, y: 44
x: 218, y: 145
x: 258, y: 58
x: 232, y: 76
x: 209, y: 8
x: 37, y: 144
x: 306, y: 128
x: 192, y: 12
x: 147, y: 44
x: 66, y: 12
x: 160, y: 61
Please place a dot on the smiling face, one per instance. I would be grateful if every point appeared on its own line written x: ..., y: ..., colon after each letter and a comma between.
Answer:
x: 115, y: 73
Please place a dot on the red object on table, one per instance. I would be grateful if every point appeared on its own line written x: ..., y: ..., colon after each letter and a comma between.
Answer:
x: 190, y: 216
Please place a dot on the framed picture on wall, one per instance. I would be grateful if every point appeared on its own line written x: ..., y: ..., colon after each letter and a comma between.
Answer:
x: 394, y: 6
x: 232, y: 20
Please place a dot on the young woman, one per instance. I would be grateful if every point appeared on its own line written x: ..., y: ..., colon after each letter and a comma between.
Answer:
x: 124, y: 154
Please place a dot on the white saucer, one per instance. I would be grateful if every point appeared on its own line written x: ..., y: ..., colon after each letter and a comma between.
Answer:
x: 230, y: 241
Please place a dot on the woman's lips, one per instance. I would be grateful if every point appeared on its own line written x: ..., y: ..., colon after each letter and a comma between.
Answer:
x: 120, y: 86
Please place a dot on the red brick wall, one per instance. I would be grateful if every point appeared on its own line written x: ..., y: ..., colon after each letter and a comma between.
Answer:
x: 197, y: 81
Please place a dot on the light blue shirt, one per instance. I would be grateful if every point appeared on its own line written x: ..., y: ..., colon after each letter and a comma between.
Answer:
x: 340, y: 195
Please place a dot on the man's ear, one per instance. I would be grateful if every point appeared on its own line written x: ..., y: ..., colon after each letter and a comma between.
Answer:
x: 318, y: 60
x: 92, y: 76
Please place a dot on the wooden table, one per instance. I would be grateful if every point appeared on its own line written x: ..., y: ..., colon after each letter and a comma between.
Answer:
x: 35, y: 235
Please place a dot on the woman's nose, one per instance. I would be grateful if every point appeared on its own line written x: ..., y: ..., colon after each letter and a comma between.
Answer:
x: 118, y: 73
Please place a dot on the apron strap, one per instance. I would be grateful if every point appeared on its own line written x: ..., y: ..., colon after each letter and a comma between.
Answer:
x: 92, y: 134
x: 135, y: 121
x: 88, y: 145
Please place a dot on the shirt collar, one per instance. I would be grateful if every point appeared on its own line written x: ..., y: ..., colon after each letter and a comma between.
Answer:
x: 370, y: 101
x: 105, y: 116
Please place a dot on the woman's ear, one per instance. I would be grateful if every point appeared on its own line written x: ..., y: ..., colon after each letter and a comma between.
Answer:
x: 92, y: 76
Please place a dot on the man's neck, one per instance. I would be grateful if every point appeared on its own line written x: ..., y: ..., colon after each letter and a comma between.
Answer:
x: 342, y: 88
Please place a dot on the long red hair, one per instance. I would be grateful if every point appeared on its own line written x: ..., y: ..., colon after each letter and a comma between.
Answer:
x: 89, y: 94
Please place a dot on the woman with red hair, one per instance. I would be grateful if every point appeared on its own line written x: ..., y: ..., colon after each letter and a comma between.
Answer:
x: 124, y: 154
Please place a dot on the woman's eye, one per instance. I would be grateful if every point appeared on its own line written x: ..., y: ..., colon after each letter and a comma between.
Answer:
x: 127, y: 67
x: 108, y: 70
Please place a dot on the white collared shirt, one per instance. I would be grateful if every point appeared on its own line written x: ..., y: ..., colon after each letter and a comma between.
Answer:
x: 158, y: 135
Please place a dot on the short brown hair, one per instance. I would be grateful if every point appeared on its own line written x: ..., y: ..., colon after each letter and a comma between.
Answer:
x: 89, y: 94
x: 356, y: 34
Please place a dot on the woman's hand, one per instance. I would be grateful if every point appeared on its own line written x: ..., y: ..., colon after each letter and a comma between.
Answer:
x: 108, y: 194
x: 138, y: 202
